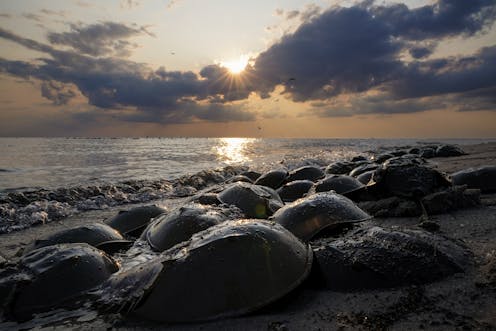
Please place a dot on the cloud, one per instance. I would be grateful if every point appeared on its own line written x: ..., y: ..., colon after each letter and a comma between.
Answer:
x: 115, y: 83
x: 106, y: 38
x: 342, y: 61
x: 58, y: 93
x: 349, y: 51
x: 441, y: 19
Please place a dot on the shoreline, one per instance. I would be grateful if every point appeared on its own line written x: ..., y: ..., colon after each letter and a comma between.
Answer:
x: 465, y: 300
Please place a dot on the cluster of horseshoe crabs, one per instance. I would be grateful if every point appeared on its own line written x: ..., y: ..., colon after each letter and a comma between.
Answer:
x: 247, y: 243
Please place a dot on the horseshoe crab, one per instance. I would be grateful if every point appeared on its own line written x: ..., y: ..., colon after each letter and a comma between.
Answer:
x: 253, y: 175
x: 341, y: 184
x: 273, y: 178
x: 376, y: 257
x: 311, y: 173
x: 307, y: 216
x: 132, y: 222
x: 254, y: 201
x: 179, y: 225
x: 362, y: 168
x: 365, y: 177
x: 98, y: 235
x: 56, y: 276
x: 407, y: 179
x: 230, y: 269
x: 296, y: 189
x: 239, y: 178
x: 483, y: 178
x: 340, y: 168
x: 449, y: 150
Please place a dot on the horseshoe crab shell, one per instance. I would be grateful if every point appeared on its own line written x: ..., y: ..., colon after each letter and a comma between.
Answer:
x: 230, y: 269
x: 255, y: 201
x: 407, y: 179
x: 180, y: 224
x: 294, y: 190
x: 57, y: 275
x: 93, y: 234
x: 483, y: 178
x: 341, y: 184
x: 307, y: 216
x: 273, y: 178
x: 312, y: 173
x: 340, y: 167
x: 376, y: 257
x: 132, y: 222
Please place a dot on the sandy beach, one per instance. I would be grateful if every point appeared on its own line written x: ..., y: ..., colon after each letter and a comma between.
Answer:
x: 463, y: 301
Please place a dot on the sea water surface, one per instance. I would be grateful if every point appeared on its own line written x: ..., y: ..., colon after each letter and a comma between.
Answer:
x: 34, y: 163
x: 46, y: 179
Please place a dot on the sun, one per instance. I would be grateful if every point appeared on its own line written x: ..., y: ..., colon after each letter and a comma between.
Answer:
x: 236, y: 66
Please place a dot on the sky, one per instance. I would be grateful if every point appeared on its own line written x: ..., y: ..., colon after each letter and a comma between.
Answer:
x: 220, y: 68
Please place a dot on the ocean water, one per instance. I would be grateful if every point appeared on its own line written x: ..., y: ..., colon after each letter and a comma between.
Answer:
x: 35, y: 163
x: 45, y: 179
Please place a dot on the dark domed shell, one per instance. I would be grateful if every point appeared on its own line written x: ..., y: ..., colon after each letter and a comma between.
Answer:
x: 449, y: 150
x: 407, y: 179
x: 273, y: 179
x: 362, y: 168
x: 311, y: 173
x: 308, y: 216
x: 341, y: 184
x: 382, y: 157
x: 59, y: 273
x: 180, y: 224
x: 365, y: 177
x: 427, y: 153
x: 483, y: 178
x: 132, y: 222
x: 254, y: 201
x: 253, y: 175
x: 230, y: 269
x: 376, y: 258
x: 294, y: 190
x: 339, y: 168
x: 239, y: 178
x: 92, y: 234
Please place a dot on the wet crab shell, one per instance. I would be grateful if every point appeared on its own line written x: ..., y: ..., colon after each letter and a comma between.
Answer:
x: 180, y: 224
x: 58, y: 275
x: 483, y: 178
x: 294, y: 190
x: 273, y: 178
x: 255, y: 201
x: 341, y: 184
x: 132, y: 222
x: 308, y: 216
x: 227, y: 270
x: 311, y: 173
x: 407, y: 179
x: 376, y: 257
x: 340, y: 167
x: 96, y: 235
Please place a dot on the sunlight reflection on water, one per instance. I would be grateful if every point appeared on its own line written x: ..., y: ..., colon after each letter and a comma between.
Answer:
x: 234, y: 150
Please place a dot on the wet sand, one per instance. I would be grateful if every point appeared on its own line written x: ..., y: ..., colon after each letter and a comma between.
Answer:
x: 462, y: 301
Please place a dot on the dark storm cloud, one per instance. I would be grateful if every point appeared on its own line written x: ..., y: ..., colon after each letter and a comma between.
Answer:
x: 114, y: 83
x: 99, y: 39
x: 58, y: 93
x: 452, y: 75
x: 346, y: 51
x: 342, y: 50
x: 342, y: 53
x: 444, y: 18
